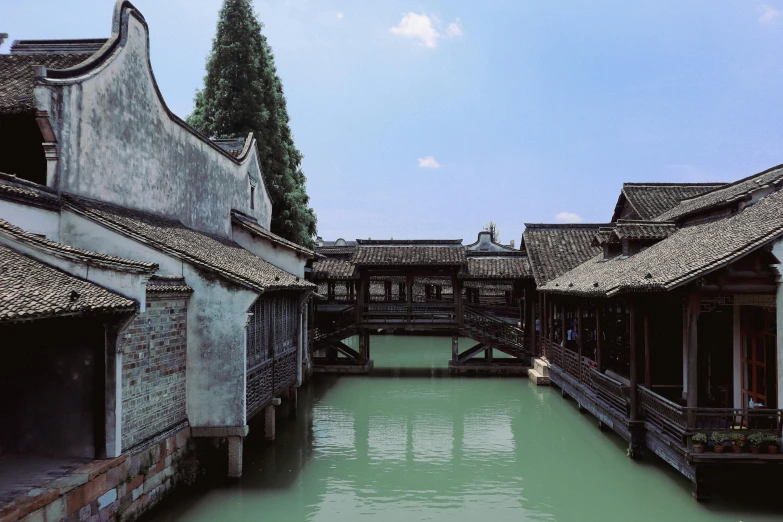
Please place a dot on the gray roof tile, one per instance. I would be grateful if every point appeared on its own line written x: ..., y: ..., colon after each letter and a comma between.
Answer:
x: 555, y: 249
x: 217, y: 254
x: 688, y: 253
x: 30, y: 289
x: 17, y: 77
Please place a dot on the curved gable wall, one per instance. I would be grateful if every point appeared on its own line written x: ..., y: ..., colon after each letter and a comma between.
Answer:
x: 118, y: 141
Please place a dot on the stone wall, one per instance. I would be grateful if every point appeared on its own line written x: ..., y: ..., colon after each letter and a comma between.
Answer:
x: 154, y: 347
x: 114, y: 489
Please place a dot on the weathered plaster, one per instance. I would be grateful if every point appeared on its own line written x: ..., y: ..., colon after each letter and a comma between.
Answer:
x: 119, y: 143
x: 280, y: 256
x: 33, y: 219
x: 217, y: 311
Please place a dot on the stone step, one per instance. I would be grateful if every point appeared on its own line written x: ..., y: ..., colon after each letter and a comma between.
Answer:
x: 541, y: 366
x: 537, y: 378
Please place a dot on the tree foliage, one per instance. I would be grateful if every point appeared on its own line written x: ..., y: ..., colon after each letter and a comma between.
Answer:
x: 242, y: 93
x: 494, y: 231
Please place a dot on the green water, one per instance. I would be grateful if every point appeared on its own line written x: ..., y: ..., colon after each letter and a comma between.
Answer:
x: 410, y: 443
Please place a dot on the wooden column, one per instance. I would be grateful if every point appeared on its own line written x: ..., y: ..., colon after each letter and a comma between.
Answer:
x: 563, y: 324
x: 632, y: 360
x: 551, y: 320
x: 534, y: 341
x: 694, y: 304
x: 454, y: 346
x: 456, y: 285
x: 579, y: 337
x: 647, y: 376
x: 409, y: 295
x: 360, y: 298
x: 598, y: 341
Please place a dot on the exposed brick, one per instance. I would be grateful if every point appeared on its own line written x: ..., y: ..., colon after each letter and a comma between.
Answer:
x: 35, y: 516
x: 98, y: 467
x: 75, y: 500
x: 95, y: 488
x: 153, y: 370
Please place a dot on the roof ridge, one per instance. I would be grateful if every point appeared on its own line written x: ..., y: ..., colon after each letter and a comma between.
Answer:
x: 41, y: 243
x: 565, y: 226
x: 673, y: 184
x: 737, y: 182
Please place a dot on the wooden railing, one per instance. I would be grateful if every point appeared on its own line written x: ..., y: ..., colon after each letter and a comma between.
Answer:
x: 664, y: 414
x: 610, y: 391
x: 495, y: 328
x: 680, y: 422
x: 613, y: 393
x: 437, y: 312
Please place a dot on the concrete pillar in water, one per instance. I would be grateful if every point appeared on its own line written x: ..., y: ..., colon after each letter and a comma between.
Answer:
x: 269, y: 419
x: 235, y: 445
x: 293, y: 401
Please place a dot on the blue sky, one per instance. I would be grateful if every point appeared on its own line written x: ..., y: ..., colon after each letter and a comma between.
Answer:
x: 430, y: 118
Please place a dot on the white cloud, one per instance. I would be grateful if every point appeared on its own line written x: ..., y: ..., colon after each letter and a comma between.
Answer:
x: 568, y: 217
x: 424, y: 28
x: 340, y: 15
x: 769, y: 15
x: 454, y: 29
x: 428, y: 162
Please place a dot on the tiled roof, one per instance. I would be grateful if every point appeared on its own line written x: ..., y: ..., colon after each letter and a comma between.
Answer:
x: 233, y: 146
x: 216, y: 254
x: 84, y: 256
x: 336, y: 251
x: 688, y: 253
x: 727, y: 194
x: 17, y: 77
x: 650, y: 200
x: 14, y: 188
x: 643, y: 229
x: 30, y: 289
x: 160, y: 284
x: 332, y: 269
x: 555, y: 249
x: 604, y: 235
x: 497, y: 268
x: 252, y: 226
x: 447, y: 255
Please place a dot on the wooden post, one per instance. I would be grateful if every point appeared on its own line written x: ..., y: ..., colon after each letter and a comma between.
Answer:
x: 360, y: 298
x: 598, y: 339
x: 647, y: 376
x: 694, y: 304
x: 456, y: 284
x: 534, y: 335
x: 563, y: 325
x: 363, y: 338
x: 551, y: 322
x: 579, y: 337
x: 454, y: 346
x: 409, y: 295
x: 632, y: 360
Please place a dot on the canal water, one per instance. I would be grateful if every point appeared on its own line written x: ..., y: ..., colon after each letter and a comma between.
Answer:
x: 410, y: 443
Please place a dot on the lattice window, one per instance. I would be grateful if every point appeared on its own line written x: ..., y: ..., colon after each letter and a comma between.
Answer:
x: 258, y: 332
x: 284, y: 325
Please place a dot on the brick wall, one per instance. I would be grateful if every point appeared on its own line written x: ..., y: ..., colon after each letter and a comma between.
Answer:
x: 122, y: 488
x: 154, y: 347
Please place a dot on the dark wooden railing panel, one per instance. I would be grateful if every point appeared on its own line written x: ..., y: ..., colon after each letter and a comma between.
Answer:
x: 260, y: 384
x: 285, y: 370
x: 718, y: 419
x: 667, y: 416
x: 440, y: 312
x: 571, y: 363
x: 612, y: 392
x: 494, y: 328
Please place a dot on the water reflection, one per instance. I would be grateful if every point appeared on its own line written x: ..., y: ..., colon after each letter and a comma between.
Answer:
x: 452, y: 449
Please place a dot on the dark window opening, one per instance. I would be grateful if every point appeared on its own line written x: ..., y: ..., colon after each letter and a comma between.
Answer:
x: 252, y: 198
x: 23, y: 153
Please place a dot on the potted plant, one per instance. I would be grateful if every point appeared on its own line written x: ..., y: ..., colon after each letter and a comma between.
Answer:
x: 698, y: 441
x: 773, y: 443
x: 737, y: 442
x: 721, y: 440
x: 756, y: 440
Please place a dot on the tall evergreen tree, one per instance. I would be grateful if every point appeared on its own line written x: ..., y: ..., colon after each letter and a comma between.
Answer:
x: 242, y: 93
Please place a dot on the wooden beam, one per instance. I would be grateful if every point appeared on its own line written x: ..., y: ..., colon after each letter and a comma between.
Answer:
x: 632, y: 360
x: 694, y: 305
x: 471, y: 352
x: 598, y: 341
x: 579, y: 337
x: 647, y: 376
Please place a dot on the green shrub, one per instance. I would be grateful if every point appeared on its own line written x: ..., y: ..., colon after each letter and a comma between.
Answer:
x: 699, y: 439
x: 720, y: 438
